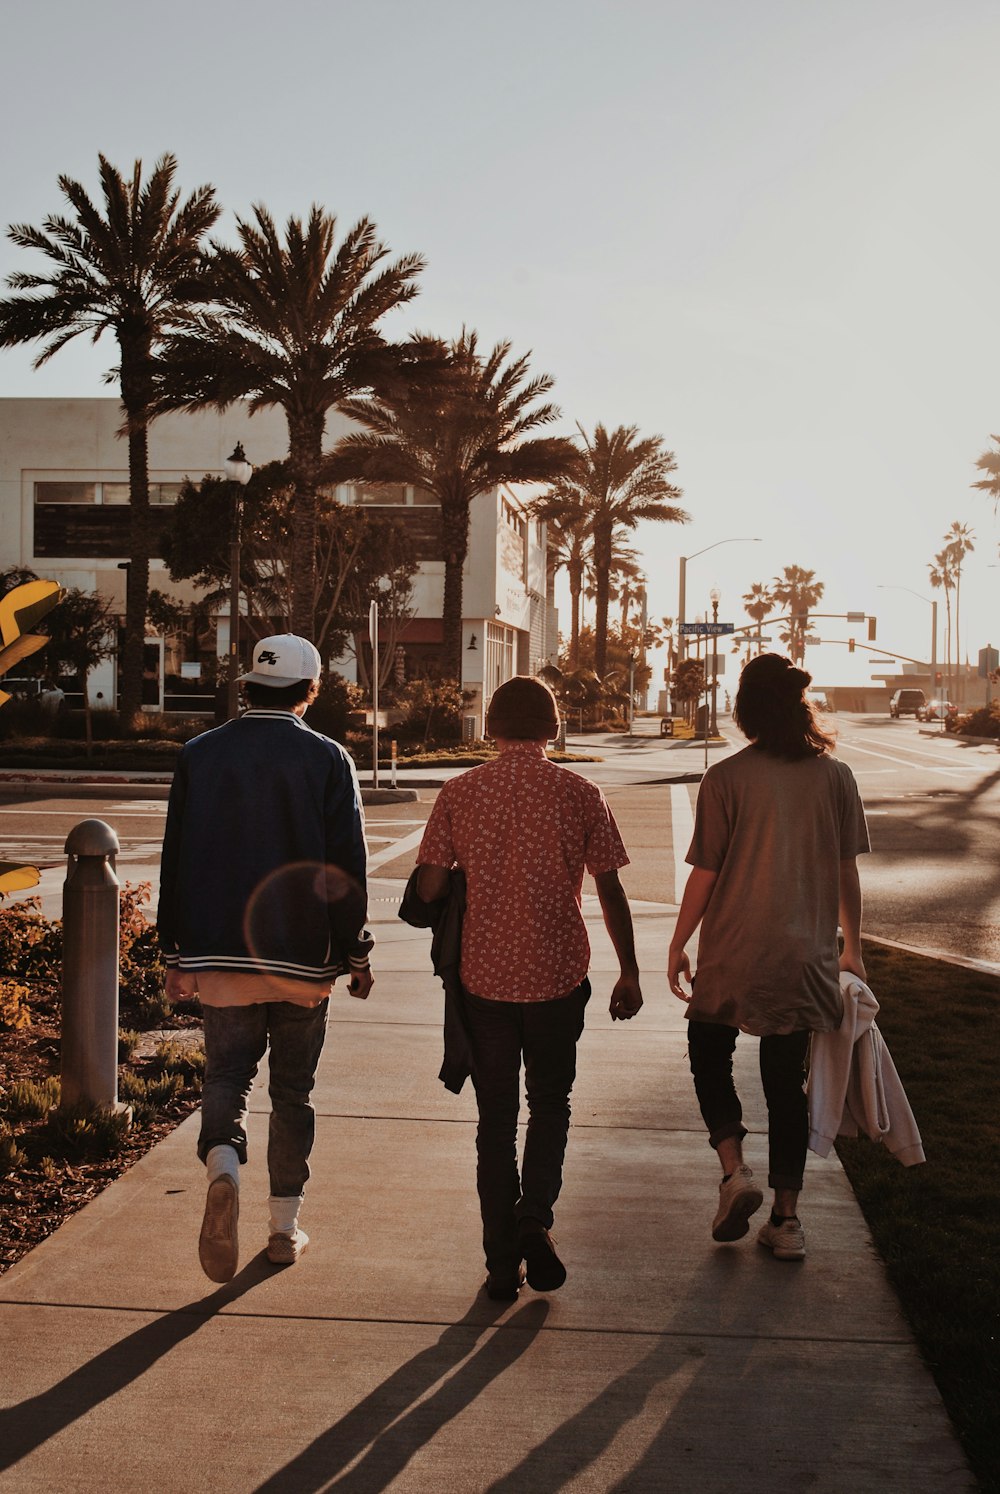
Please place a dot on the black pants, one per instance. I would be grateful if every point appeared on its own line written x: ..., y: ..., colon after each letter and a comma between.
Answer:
x: 545, y: 1034
x: 782, y: 1072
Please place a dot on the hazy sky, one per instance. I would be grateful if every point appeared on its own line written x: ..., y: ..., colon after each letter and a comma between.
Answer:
x: 768, y: 231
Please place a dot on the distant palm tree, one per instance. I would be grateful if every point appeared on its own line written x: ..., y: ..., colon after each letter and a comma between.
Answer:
x: 758, y: 602
x: 942, y: 575
x: 959, y: 542
x: 457, y: 433
x: 292, y: 322
x: 798, y: 591
x: 622, y: 479
x: 133, y: 271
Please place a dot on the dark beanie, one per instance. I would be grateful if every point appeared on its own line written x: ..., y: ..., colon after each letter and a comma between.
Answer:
x: 524, y: 710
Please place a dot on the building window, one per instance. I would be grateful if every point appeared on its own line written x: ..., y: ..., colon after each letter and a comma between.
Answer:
x: 380, y: 495
x: 421, y: 496
x: 499, y: 661
x: 104, y: 494
x: 65, y: 492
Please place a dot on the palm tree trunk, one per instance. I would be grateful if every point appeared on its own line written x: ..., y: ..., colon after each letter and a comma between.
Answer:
x: 575, y: 591
x: 454, y: 548
x: 959, y: 696
x: 602, y: 568
x: 137, y: 575
x: 305, y: 453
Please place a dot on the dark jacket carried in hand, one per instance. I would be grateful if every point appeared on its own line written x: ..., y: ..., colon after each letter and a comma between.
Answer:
x: 264, y: 853
x: 444, y: 916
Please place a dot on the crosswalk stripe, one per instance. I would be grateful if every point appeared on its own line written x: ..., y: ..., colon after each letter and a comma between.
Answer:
x: 682, y: 828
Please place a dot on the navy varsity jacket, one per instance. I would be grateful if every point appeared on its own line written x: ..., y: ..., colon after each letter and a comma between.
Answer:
x: 264, y: 854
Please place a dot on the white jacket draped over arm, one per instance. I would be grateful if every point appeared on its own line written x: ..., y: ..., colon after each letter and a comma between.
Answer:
x: 853, y: 1085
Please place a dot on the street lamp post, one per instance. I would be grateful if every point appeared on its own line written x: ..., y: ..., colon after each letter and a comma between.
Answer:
x: 715, y: 595
x: 747, y: 539
x: 932, y: 604
x: 239, y: 473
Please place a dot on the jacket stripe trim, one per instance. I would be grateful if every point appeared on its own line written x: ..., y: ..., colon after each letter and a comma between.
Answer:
x: 258, y: 967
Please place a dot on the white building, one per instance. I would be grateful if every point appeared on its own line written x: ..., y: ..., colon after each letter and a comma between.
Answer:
x: 63, y: 514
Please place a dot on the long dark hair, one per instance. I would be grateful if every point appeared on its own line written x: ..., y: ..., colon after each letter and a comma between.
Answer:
x: 772, y: 712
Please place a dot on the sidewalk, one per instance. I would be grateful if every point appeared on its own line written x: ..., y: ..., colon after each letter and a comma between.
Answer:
x: 664, y: 1363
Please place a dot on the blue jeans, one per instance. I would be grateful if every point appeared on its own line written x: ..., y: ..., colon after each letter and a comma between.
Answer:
x: 236, y: 1039
x: 545, y: 1033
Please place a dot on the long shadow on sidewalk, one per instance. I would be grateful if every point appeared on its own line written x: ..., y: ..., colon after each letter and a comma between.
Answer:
x: 394, y: 1421
x: 25, y: 1427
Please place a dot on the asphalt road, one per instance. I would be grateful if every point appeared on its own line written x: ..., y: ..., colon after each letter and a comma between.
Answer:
x: 932, y: 880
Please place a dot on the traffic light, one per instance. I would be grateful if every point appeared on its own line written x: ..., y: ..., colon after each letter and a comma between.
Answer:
x: 871, y: 630
x: 850, y: 645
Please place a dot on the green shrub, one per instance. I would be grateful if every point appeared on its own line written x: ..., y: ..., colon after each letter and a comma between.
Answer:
x: 26, y: 1100
x: 83, y: 1132
x: 11, y: 1155
x: 179, y: 1058
x: 14, y: 1010
x: 31, y: 946
x: 128, y: 1041
x: 984, y: 722
x: 158, y: 1092
x: 333, y: 705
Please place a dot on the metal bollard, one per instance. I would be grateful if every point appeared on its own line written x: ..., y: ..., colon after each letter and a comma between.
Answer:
x: 89, y: 1067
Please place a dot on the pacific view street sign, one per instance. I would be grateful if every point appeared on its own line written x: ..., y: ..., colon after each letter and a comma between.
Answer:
x: 711, y: 629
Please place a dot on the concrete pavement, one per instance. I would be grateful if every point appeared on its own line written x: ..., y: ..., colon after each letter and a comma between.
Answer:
x: 664, y: 1363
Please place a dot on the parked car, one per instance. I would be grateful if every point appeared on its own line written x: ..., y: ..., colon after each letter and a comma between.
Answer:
x: 906, y: 703
x: 937, y: 710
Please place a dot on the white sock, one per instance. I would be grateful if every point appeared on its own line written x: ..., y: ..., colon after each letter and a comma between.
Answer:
x: 222, y: 1162
x: 284, y: 1215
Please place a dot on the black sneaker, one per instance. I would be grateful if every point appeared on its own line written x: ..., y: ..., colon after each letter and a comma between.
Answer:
x: 504, y: 1285
x: 546, y: 1272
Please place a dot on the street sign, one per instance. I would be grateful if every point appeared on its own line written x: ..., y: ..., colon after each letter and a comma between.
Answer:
x: 706, y: 629
x: 855, y: 617
x: 812, y: 639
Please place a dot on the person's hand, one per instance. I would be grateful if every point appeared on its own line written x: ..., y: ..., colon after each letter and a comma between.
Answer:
x: 360, y: 984
x: 678, y: 969
x: 626, y: 998
x: 854, y: 965
x: 180, y: 985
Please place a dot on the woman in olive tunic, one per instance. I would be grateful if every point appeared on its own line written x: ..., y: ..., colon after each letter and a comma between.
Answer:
x: 777, y: 829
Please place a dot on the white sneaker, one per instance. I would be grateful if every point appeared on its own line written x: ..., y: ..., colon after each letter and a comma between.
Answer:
x: 219, y: 1244
x: 284, y: 1250
x: 786, y: 1241
x: 739, y: 1197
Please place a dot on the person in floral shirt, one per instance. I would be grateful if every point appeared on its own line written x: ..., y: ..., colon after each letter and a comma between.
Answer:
x: 524, y: 830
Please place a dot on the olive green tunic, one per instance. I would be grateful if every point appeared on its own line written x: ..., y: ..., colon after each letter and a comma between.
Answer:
x: 775, y: 832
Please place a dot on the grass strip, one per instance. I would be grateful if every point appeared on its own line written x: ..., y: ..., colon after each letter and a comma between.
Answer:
x: 937, y: 1226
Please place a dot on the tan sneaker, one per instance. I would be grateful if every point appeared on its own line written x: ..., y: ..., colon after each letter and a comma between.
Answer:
x: 284, y: 1250
x: 739, y: 1197
x: 219, y: 1244
x: 786, y: 1241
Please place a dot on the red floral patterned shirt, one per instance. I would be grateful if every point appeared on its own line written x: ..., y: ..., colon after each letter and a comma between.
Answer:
x: 523, y: 829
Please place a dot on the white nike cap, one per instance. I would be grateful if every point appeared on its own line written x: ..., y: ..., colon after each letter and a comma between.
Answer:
x: 283, y: 659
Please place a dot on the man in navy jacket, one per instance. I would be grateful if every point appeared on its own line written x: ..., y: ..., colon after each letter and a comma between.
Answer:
x: 262, y: 905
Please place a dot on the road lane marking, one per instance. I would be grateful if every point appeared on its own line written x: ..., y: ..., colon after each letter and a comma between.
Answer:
x: 394, y: 849
x: 682, y: 828
x: 920, y: 752
x: 905, y: 762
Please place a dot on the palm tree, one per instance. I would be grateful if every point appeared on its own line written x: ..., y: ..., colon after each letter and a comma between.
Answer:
x: 757, y: 603
x: 457, y: 433
x: 293, y: 323
x: 568, y: 543
x: 131, y: 271
x: 989, y: 463
x: 942, y: 575
x: 622, y: 478
x: 798, y: 591
x: 959, y: 542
